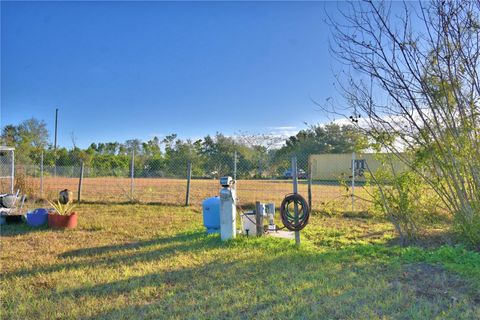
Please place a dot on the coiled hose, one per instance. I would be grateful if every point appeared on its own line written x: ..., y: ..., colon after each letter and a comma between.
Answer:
x: 287, y: 212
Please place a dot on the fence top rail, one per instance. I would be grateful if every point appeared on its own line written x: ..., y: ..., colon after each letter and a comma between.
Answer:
x: 5, y: 148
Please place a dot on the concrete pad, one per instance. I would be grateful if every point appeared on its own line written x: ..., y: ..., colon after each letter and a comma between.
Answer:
x: 282, y: 234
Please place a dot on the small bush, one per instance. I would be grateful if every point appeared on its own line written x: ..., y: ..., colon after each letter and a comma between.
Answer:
x: 22, y: 182
x: 405, y: 200
x: 467, y: 225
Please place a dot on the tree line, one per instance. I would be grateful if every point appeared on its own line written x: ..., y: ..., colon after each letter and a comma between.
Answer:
x: 258, y: 156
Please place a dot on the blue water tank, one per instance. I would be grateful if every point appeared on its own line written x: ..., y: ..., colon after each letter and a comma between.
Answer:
x: 211, y: 214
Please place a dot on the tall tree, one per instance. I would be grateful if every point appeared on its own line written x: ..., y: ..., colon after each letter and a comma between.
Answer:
x: 29, y: 137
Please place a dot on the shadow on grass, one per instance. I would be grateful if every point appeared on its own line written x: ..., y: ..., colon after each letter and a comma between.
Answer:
x: 303, y: 284
x: 251, y: 278
x: 15, y: 229
x: 126, y: 253
x: 93, y: 251
x: 429, y: 240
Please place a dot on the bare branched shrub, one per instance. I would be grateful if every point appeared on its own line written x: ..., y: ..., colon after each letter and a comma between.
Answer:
x: 23, y: 182
x: 412, y: 82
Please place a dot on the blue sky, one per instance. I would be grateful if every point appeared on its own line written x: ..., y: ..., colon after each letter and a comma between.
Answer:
x: 122, y: 70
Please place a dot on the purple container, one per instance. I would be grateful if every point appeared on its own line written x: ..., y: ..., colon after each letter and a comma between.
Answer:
x: 37, y: 218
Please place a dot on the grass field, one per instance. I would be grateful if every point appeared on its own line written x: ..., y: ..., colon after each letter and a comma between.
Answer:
x: 155, y: 262
x: 325, y: 196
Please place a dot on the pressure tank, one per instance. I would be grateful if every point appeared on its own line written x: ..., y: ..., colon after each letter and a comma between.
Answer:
x: 211, y: 214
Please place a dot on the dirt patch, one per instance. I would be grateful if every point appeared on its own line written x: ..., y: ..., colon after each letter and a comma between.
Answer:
x: 435, y: 283
x: 172, y: 191
x: 430, y: 239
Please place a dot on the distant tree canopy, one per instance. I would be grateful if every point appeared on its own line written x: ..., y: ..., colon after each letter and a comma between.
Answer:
x: 318, y: 139
x: 28, y: 138
x: 257, y: 155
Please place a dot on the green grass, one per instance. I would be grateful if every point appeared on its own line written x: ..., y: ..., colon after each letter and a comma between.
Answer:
x: 153, y: 262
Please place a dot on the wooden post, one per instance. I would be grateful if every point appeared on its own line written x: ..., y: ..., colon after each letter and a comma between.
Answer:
x: 309, y: 185
x: 295, y: 191
x: 41, y: 175
x: 189, y: 177
x: 80, y: 182
x: 259, y: 218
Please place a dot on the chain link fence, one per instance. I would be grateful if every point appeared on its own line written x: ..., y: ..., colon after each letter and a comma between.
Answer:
x: 7, y: 169
x: 148, y: 179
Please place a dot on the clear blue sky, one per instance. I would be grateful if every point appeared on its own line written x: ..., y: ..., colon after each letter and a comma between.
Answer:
x: 122, y: 70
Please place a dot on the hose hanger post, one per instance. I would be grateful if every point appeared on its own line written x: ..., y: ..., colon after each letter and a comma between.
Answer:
x: 287, y: 212
x: 295, y: 204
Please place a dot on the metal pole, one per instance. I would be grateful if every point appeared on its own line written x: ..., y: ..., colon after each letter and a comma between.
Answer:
x: 132, y: 173
x: 189, y: 177
x: 12, y: 182
x: 235, y: 166
x: 55, y: 145
x: 309, y: 184
x: 80, y: 182
x: 56, y: 127
x: 295, y: 191
x: 353, y: 181
x: 41, y: 175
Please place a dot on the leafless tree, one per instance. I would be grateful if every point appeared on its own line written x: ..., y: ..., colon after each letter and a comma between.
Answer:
x: 268, y: 141
x: 412, y: 75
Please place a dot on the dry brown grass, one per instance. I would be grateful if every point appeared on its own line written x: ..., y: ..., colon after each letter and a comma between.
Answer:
x: 330, y: 198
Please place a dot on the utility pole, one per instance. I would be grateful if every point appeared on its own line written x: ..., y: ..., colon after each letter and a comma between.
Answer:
x: 56, y: 127
x: 55, y: 144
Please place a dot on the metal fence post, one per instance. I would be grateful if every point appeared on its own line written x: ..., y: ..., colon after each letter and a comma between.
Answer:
x: 80, y: 181
x: 132, y: 173
x: 353, y: 181
x: 41, y: 175
x: 295, y: 191
x: 309, y: 184
x: 12, y: 183
x: 189, y: 177
x: 235, y: 166
x: 55, y: 164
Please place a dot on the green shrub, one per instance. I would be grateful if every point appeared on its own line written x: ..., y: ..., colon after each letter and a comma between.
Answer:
x: 405, y: 200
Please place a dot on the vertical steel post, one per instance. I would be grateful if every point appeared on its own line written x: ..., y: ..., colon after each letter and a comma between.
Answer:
x: 12, y: 182
x: 353, y: 181
x: 56, y: 127
x: 41, y: 175
x: 235, y: 166
x: 132, y: 173
x: 309, y: 184
x: 189, y: 177
x: 295, y: 191
x: 55, y: 145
